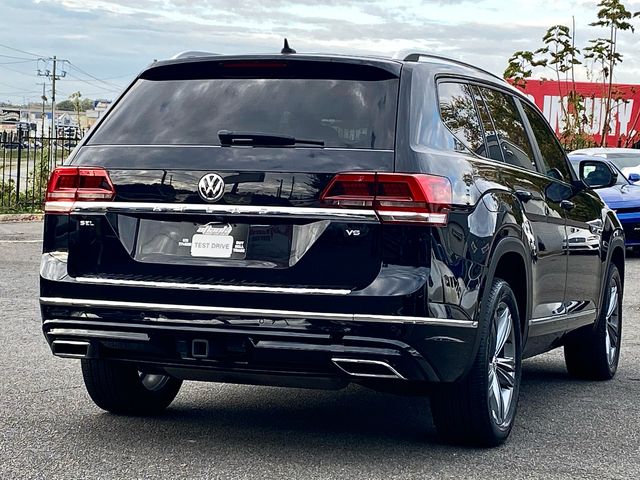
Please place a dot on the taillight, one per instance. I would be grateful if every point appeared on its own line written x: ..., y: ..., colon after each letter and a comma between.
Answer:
x: 396, y: 197
x: 77, y: 184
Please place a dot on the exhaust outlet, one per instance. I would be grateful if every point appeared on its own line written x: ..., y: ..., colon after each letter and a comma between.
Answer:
x: 70, y: 348
x: 357, y: 367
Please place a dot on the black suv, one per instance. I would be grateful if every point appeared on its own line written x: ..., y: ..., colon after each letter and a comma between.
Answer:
x: 311, y: 221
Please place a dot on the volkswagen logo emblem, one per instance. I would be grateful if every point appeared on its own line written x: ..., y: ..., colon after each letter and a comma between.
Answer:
x: 211, y: 187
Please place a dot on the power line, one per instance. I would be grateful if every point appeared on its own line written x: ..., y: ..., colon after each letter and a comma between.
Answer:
x: 102, y: 84
x: 16, y: 71
x: 93, y: 77
x: 18, y: 58
x: 93, y: 84
x: 8, y: 85
x: 19, y: 94
x: 129, y: 76
x: 15, y: 62
x: 53, y: 76
x: 20, y: 51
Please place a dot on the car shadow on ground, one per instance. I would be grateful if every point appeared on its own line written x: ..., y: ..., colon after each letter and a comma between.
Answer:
x: 211, y: 417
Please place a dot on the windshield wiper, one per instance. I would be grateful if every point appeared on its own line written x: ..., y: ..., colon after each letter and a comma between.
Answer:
x: 260, y: 139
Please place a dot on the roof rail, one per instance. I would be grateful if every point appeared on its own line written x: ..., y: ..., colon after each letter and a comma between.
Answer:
x: 192, y: 54
x: 415, y: 57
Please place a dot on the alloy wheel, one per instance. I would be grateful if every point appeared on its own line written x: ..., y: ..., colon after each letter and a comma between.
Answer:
x: 502, y: 366
x: 612, y: 337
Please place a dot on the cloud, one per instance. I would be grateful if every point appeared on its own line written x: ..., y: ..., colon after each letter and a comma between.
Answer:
x: 117, y: 38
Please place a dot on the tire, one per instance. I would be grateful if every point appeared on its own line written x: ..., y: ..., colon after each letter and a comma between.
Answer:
x: 120, y: 388
x: 480, y: 409
x: 593, y: 352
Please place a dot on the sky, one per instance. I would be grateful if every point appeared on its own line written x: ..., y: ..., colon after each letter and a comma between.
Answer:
x: 107, y: 42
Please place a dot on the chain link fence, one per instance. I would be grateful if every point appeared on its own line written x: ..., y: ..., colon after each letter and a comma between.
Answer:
x: 25, y: 164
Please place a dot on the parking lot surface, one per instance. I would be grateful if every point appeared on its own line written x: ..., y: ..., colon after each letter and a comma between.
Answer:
x: 49, y: 428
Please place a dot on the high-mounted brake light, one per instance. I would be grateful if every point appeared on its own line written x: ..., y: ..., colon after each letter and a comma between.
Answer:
x: 72, y: 184
x: 396, y: 197
x: 254, y: 65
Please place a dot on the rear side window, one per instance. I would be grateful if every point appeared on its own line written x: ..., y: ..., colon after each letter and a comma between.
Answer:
x: 493, y: 150
x: 459, y: 114
x: 510, y: 131
x: 343, y: 112
x: 553, y: 156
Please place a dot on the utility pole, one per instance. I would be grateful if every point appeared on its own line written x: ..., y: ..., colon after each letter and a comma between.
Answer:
x: 53, y: 75
x: 44, y: 101
x: 53, y: 102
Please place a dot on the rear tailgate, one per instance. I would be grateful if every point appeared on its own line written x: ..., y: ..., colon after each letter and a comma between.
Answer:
x: 269, y: 227
x: 261, y: 238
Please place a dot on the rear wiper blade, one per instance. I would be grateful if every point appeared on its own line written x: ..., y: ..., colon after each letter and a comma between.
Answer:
x: 259, y: 139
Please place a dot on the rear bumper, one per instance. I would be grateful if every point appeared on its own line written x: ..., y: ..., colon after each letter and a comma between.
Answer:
x: 261, y: 346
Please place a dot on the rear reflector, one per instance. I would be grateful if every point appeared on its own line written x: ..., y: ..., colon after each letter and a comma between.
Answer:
x: 396, y: 197
x: 71, y: 184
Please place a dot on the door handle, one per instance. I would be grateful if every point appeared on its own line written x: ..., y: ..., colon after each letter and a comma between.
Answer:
x: 523, y: 195
x: 567, y: 205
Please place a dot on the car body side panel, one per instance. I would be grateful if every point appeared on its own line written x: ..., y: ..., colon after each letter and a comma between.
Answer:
x: 545, y: 218
x: 584, y: 246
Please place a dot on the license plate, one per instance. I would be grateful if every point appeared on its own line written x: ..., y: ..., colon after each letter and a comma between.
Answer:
x: 214, y: 246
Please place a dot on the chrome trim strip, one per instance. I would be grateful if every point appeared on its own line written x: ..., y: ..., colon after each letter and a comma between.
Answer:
x: 561, y: 318
x: 81, y: 332
x: 420, y: 217
x: 325, y: 348
x: 191, y: 326
x: 351, y: 215
x: 253, y: 312
x: 441, y: 322
x: 212, y: 287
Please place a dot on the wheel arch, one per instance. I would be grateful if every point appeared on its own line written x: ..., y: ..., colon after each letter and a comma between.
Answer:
x: 509, y: 263
x: 613, y: 248
x: 616, y: 256
x: 618, y: 259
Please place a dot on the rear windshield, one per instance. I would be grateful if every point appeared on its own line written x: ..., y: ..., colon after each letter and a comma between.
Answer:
x: 343, y: 113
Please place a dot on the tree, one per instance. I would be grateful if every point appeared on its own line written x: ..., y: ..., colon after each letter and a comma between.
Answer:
x: 520, y: 67
x: 560, y: 55
x: 87, y: 104
x: 65, y: 105
x: 77, y: 104
x: 614, y: 16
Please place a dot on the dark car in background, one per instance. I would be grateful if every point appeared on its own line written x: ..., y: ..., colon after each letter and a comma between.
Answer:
x: 314, y: 221
x: 11, y: 145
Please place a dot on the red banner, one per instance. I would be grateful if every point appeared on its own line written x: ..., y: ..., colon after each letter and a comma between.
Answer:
x: 624, y: 126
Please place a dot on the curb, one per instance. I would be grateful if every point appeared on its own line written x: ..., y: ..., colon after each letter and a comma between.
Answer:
x: 21, y: 217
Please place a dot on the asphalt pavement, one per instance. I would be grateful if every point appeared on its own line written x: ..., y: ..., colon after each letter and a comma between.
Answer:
x: 49, y: 428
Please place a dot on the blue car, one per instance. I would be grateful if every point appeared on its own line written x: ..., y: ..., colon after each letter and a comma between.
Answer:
x: 623, y: 198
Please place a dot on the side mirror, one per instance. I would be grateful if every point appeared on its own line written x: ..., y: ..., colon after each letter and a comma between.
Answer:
x: 634, y: 177
x: 597, y: 174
